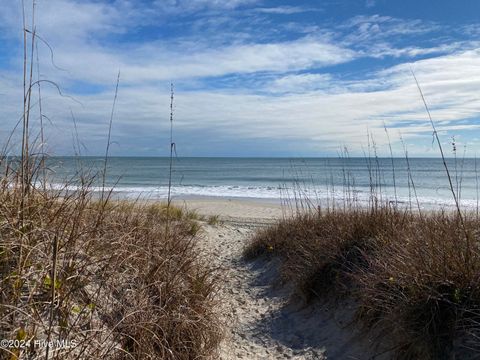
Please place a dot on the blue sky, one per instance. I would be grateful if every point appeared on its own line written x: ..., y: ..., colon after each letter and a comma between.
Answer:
x: 252, y: 77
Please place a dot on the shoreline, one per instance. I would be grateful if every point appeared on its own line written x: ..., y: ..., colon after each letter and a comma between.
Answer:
x: 254, y: 212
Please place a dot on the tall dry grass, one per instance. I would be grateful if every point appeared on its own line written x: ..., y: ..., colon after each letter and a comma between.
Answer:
x: 406, y: 272
x: 85, y: 277
x: 414, y: 274
x: 105, y: 276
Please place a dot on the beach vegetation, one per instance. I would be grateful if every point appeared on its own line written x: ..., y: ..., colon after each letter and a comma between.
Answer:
x: 83, y: 276
x: 407, y: 273
x: 413, y: 274
x: 105, y: 276
x: 213, y: 220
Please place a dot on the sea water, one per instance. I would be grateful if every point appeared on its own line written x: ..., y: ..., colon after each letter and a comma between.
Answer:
x: 422, y: 180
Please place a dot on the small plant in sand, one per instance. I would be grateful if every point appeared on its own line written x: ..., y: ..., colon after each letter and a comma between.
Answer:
x: 213, y: 220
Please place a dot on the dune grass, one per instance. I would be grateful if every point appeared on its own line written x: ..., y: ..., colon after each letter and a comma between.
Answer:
x: 105, y: 276
x: 414, y: 274
x: 213, y: 220
x: 416, y: 279
x: 85, y: 277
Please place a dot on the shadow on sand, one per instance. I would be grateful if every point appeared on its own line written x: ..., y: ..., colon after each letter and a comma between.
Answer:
x: 323, y: 326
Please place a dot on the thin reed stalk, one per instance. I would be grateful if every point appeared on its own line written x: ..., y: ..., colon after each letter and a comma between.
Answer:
x: 410, y: 177
x: 452, y: 189
x: 42, y: 135
x: 104, y: 173
x: 476, y: 188
x: 170, y: 167
x: 393, y: 164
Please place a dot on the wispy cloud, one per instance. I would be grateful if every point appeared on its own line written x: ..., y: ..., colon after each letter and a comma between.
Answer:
x: 300, y: 83
x: 176, y: 6
x: 285, y: 10
x: 163, y: 63
x: 306, y: 85
x: 370, y: 28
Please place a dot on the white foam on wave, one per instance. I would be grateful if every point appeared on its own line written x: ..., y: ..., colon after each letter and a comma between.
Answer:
x: 160, y: 192
x: 316, y: 195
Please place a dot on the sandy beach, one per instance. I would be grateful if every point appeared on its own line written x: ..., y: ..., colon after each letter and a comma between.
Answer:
x: 264, y: 321
x: 252, y: 211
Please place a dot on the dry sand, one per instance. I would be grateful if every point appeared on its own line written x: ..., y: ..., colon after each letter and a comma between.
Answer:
x: 264, y: 321
x: 232, y: 210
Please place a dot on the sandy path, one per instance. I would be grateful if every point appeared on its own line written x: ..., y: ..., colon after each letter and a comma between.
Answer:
x: 260, y: 321
x: 250, y: 304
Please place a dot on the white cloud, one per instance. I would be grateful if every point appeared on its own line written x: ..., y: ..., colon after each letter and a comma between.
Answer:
x: 383, y: 49
x: 297, y: 102
x: 322, y: 119
x: 367, y: 29
x: 83, y: 49
x: 300, y: 83
x: 159, y: 62
x: 284, y: 10
x: 201, y: 4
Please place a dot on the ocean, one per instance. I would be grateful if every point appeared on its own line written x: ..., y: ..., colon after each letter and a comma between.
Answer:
x: 273, y: 179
